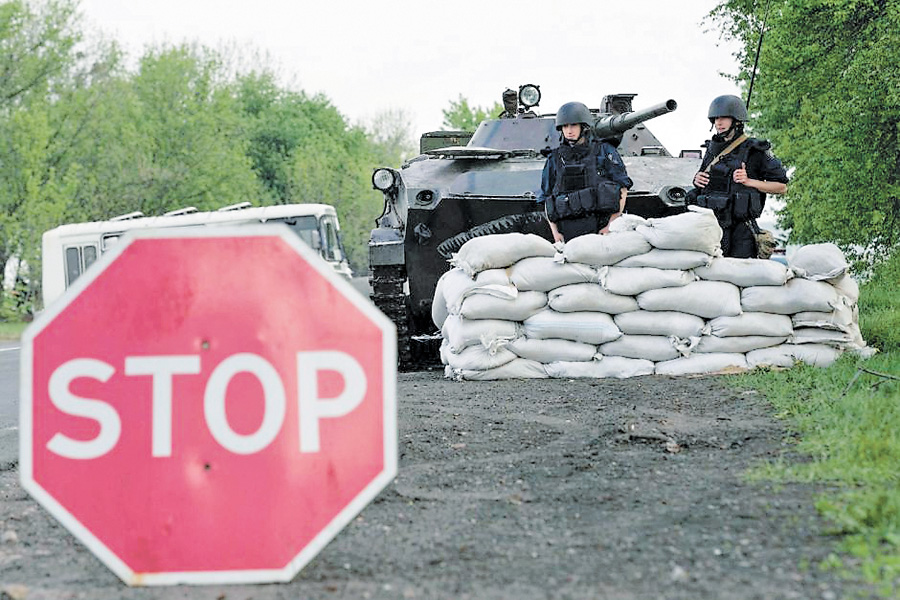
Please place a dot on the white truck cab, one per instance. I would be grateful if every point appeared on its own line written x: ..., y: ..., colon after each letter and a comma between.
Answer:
x: 70, y: 249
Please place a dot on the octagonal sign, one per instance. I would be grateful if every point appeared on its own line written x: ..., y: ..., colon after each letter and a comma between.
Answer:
x: 208, y: 406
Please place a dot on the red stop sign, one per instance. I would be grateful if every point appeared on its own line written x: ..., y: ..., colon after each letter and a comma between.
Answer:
x: 208, y: 406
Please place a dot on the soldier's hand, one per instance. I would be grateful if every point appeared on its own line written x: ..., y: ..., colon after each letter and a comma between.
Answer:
x: 740, y: 175
x: 701, y: 179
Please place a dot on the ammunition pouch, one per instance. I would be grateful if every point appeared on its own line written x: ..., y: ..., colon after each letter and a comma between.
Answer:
x: 600, y: 199
x: 691, y: 197
x: 570, y: 205
x: 747, y: 204
x: 608, y: 195
x: 720, y: 204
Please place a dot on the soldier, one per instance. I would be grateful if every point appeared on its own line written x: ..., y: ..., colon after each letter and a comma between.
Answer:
x: 584, y: 183
x: 735, y: 175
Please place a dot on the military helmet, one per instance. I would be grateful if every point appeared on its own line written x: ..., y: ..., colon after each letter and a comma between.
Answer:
x: 727, y: 106
x: 573, y: 112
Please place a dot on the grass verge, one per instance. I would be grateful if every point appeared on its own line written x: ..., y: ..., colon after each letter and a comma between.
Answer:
x: 847, y: 418
x: 11, y: 330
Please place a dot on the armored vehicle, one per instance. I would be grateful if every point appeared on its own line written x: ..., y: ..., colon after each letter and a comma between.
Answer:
x: 451, y: 193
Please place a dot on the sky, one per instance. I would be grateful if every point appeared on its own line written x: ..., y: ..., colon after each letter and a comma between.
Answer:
x: 368, y: 57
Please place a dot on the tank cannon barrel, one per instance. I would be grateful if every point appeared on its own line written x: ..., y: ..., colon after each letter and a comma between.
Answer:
x: 613, y: 125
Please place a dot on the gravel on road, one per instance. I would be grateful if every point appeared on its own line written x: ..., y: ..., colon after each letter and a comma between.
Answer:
x: 537, y: 489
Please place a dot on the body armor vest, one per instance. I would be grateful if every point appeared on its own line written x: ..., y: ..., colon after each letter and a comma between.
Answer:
x: 579, y: 188
x: 732, y: 202
x: 576, y: 167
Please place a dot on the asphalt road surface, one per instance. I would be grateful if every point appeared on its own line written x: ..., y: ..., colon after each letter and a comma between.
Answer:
x: 561, y: 489
x: 9, y: 404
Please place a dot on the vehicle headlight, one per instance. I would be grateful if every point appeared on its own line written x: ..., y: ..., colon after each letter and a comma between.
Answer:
x: 529, y: 95
x: 383, y: 179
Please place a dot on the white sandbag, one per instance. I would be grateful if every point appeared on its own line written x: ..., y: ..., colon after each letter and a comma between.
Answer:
x: 752, y: 323
x: 847, y: 287
x: 645, y: 322
x: 602, y: 250
x: 587, y: 327
x: 631, y: 281
x: 797, y: 295
x: 439, y: 312
x: 685, y: 345
x: 550, y: 350
x: 589, y: 297
x: 455, y: 285
x: 840, y: 319
x: 786, y: 355
x: 520, y: 368
x: 543, y: 274
x: 461, y: 333
x: 817, y: 335
x: 858, y: 344
x: 745, y: 272
x: 499, y: 251
x: 607, y: 367
x: 476, y: 357
x: 668, y: 259
x: 482, y: 306
x: 626, y: 222
x: 818, y: 261
x: 696, y: 229
x: 744, y: 343
x: 696, y: 364
x: 707, y: 299
x: 647, y: 347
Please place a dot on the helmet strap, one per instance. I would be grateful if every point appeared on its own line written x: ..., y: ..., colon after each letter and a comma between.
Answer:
x: 582, y: 135
x: 736, y: 127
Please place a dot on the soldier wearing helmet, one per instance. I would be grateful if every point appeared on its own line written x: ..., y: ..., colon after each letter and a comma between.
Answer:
x: 584, y: 183
x: 735, y: 175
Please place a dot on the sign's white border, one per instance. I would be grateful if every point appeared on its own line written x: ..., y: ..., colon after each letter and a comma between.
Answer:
x: 289, y: 571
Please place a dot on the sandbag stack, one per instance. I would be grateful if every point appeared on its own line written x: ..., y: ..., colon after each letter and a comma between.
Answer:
x: 652, y: 296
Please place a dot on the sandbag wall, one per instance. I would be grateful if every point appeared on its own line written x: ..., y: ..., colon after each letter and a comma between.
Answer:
x: 652, y: 296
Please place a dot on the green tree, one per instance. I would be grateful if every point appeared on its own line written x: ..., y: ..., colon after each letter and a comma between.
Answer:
x: 303, y: 150
x: 84, y: 138
x: 36, y: 192
x: 43, y: 63
x: 334, y: 165
x: 194, y: 147
x: 36, y: 47
x: 163, y: 137
x: 827, y: 93
x: 462, y: 117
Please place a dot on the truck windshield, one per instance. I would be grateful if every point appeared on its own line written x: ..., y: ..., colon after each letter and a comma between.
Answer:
x: 306, y: 228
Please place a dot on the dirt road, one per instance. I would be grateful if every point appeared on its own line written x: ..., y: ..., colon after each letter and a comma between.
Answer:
x: 527, y: 490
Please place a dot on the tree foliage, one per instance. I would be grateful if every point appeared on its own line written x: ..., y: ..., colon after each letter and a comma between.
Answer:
x: 36, y: 47
x: 302, y: 150
x: 39, y: 67
x: 827, y: 93
x: 460, y: 116
x: 82, y: 137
